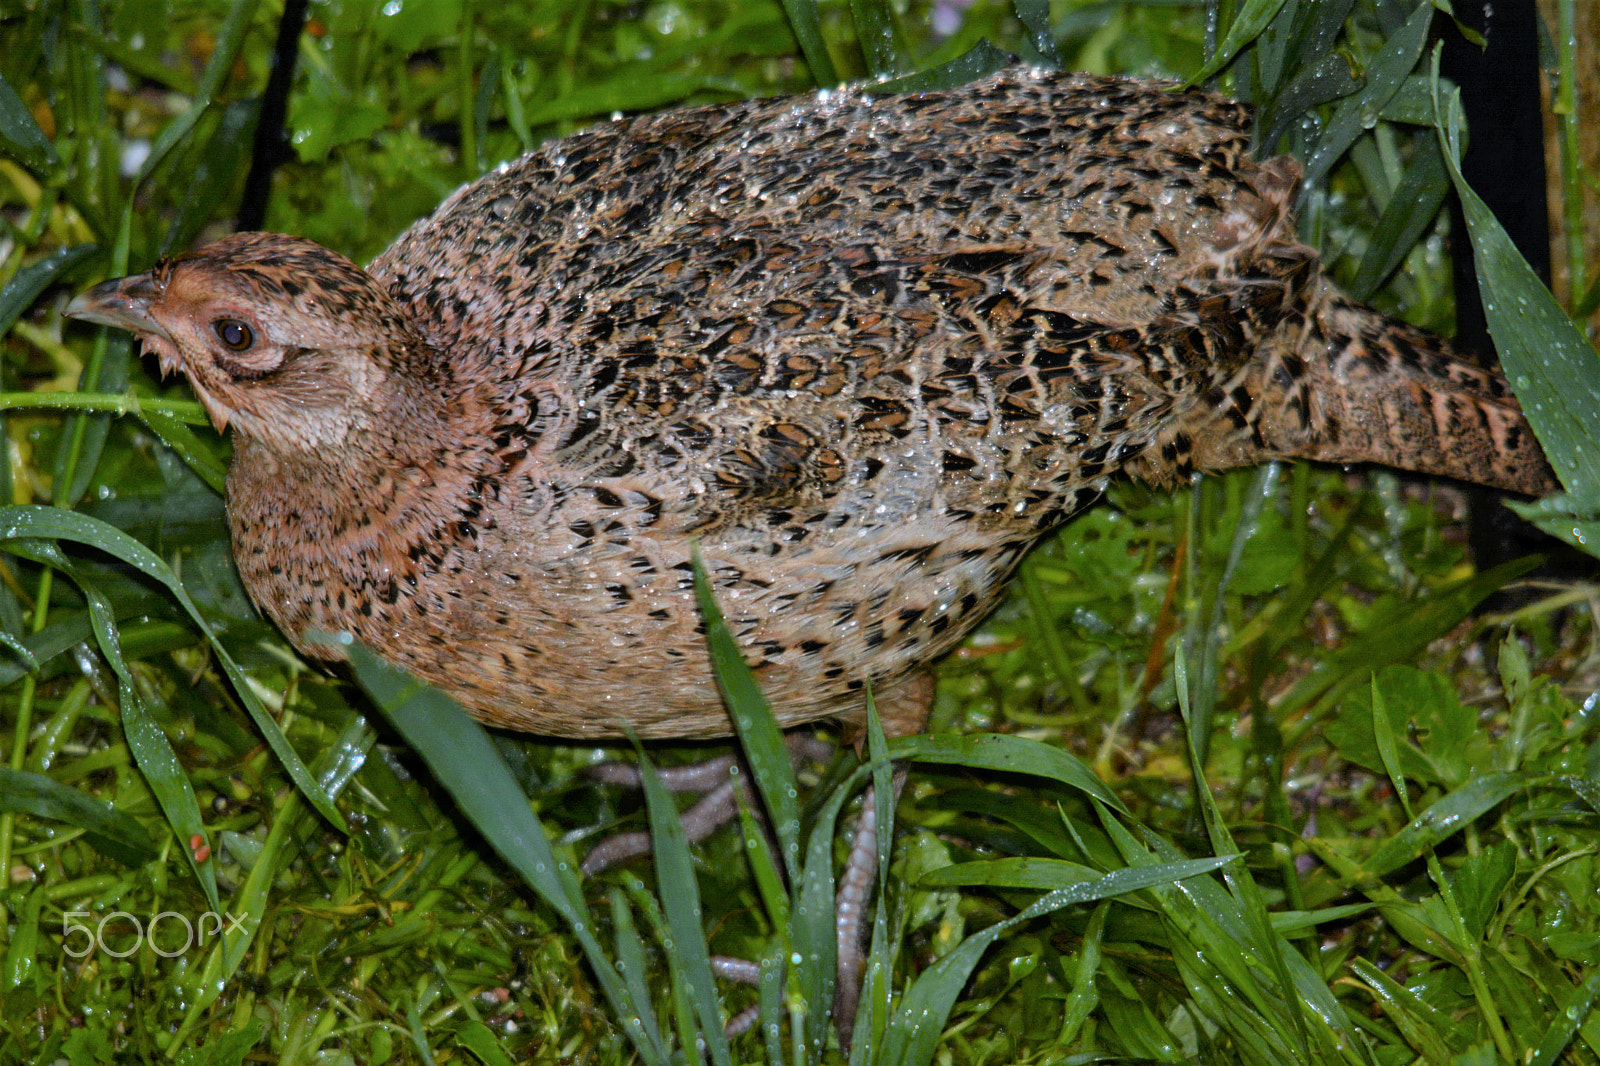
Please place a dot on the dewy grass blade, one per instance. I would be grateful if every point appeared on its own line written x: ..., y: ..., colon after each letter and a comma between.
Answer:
x: 1396, y: 633
x: 1206, y: 635
x: 758, y: 733
x: 1445, y: 817
x: 46, y: 644
x: 631, y: 962
x: 1246, y: 27
x: 218, y: 66
x: 1574, y: 1013
x: 1084, y: 996
x: 188, y: 412
x: 1430, y: 1030
x: 680, y: 900
x: 763, y: 864
x: 25, y: 287
x: 108, y: 830
x: 1008, y: 754
x: 982, y: 58
x: 478, y: 1039
x: 1356, y: 113
x: 807, y: 26
x: 74, y: 468
x: 148, y: 744
x: 55, y: 524
x: 1409, y: 213
x: 876, y: 36
x: 812, y: 929
x: 1269, y: 948
x: 466, y: 762
x: 1554, y: 371
x: 251, y: 901
x: 774, y: 965
x: 199, y: 456
x: 1082, y: 884
x: 913, y: 1036
x: 22, y: 139
x: 873, y: 1000
x: 1035, y: 15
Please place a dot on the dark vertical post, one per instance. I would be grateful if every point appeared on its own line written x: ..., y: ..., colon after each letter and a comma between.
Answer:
x: 1504, y: 163
x: 271, y: 146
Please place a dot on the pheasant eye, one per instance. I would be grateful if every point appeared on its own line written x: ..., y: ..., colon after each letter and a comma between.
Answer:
x: 235, y: 335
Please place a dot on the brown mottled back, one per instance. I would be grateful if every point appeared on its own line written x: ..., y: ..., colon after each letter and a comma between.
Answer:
x: 862, y: 350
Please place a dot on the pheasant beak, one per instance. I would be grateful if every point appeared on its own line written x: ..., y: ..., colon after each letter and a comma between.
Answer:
x: 123, y: 303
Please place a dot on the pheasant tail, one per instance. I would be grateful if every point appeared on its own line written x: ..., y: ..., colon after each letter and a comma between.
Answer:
x: 1347, y: 384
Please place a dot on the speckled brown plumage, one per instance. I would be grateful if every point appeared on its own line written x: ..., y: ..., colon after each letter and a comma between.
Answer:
x: 864, y: 351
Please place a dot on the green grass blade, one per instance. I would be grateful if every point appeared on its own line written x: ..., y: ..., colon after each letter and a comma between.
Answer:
x: 1204, y: 633
x: 148, y: 744
x: 200, y: 456
x: 873, y: 1001
x: 982, y: 58
x: 1444, y: 818
x: 1269, y: 948
x: 875, y: 33
x: 807, y: 26
x: 1008, y: 754
x: 1084, y: 997
x: 21, y: 138
x: 812, y: 925
x: 1431, y: 1031
x: 763, y: 865
x: 466, y: 762
x: 914, y: 1035
x: 781, y: 911
x: 1576, y: 1009
x: 1035, y: 16
x: 758, y: 733
x: 253, y: 899
x: 22, y: 949
x: 54, y: 523
x: 476, y: 1038
x: 631, y: 962
x: 678, y: 992
x: 1247, y: 26
x: 1554, y: 371
x: 680, y: 900
x: 211, y: 185
x: 108, y: 830
x: 1308, y: 40
x: 1356, y: 114
x: 1410, y: 211
x: 1400, y: 632
x: 774, y: 964
x: 75, y: 465
x: 241, y: 13
x: 68, y: 629
x: 1328, y: 79
x: 20, y: 292
x: 1079, y: 883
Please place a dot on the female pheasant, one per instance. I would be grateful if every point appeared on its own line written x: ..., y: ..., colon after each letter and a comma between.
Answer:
x: 862, y: 350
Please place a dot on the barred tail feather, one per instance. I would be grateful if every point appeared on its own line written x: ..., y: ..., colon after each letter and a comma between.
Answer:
x: 1359, y: 387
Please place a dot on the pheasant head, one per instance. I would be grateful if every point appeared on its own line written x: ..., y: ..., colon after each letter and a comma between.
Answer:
x: 292, y: 345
